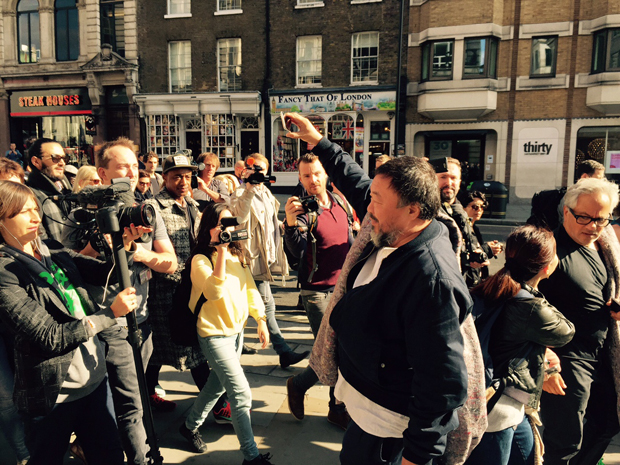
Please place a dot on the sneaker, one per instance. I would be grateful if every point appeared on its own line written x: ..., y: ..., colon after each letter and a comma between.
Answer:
x: 160, y: 391
x: 262, y: 459
x: 162, y: 405
x: 340, y: 419
x: 291, y: 358
x: 222, y: 416
x: 193, y: 437
x: 247, y: 350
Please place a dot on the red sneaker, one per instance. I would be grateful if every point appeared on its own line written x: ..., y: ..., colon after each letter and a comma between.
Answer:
x: 162, y: 405
x: 222, y: 416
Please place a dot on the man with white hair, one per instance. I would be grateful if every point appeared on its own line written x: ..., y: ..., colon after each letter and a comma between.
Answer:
x: 578, y: 405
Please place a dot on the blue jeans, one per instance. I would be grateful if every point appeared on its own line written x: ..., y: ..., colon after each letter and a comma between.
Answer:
x: 11, y: 422
x: 223, y: 353
x: 512, y: 446
x: 93, y: 422
x: 124, y: 386
x: 275, y: 335
x: 315, y: 304
x: 361, y: 448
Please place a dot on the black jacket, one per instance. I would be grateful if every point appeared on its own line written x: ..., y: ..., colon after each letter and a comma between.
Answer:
x: 522, y: 332
x: 54, y: 213
x: 399, y: 338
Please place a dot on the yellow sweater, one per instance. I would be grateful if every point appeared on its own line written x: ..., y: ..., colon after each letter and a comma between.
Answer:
x: 229, y: 300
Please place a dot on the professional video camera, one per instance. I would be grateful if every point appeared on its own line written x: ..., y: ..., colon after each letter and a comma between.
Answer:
x: 257, y: 177
x: 231, y: 236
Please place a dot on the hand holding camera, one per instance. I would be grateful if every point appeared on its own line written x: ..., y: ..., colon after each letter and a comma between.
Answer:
x: 222, y: 236
x: 296, y: 206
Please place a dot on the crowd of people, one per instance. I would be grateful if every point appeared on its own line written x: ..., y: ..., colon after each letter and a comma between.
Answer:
x: 430, y: 359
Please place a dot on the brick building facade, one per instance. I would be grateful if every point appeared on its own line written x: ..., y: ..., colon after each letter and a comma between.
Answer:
x: 520, y: 90
x: 68, y: 71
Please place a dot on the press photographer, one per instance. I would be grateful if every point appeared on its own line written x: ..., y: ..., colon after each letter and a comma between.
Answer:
x: 114, y: 160
x: 205, y: 188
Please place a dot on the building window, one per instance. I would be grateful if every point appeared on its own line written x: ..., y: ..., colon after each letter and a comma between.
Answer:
x: 179, y: 7
x: 180, y: 63
x: 67, y: 31
x: 163, y: 133
x: 365, y: 57
x: 437, y: 60
x: 309, y: 56
x: 606, y: 51
x: 544, y: 56
x: 306, y: 3
x: 229, y: 64
x: 113, y: 25
x: 227, y: 5
x: 480, y: 58
x: 29, y: 38
x: 601, y: 144
x: 219, y: 138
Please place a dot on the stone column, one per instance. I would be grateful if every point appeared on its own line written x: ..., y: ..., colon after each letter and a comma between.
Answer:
x: 46, y: 20
x: 9, y: 19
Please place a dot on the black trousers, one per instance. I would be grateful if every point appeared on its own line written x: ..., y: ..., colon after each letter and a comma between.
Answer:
x: 580, y: 425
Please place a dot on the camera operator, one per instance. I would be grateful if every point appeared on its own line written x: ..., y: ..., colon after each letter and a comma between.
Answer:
x: 318, y: 232
x: 60, y: 380
x: 209, y: 189
x: 114, y: 160
x: 473, y: 257
x: 257, y: 209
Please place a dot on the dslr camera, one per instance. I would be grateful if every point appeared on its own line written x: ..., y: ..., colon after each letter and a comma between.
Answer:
x: 478, y: 256
x: 309, y: 203
x: 232, y: 236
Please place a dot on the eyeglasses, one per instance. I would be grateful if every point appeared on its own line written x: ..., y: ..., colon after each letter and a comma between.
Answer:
x: 585, y: 220
x: 57, y: 158
x: 148, y: 183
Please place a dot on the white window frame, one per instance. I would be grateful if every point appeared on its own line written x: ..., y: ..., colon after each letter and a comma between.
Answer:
x: 318, y: 59
x: 353, y: 40
x: 170, y: 66
x: 231, y: 7
x: 220, y: 42
x: 187, y: 6
x: 309, y: 4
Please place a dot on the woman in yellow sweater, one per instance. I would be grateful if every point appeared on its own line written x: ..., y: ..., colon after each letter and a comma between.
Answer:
x: 220, y: 273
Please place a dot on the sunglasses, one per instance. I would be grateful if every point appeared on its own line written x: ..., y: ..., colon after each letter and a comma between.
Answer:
x: 476, y: 207
x: 144, y: 183
x: 57, y: 158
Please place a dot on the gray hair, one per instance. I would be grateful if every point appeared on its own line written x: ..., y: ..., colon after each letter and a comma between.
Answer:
x: 591, y: 186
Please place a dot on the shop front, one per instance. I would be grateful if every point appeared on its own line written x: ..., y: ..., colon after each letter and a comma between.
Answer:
x: 360, y: 121
x: 226, y: 124
x: 599, y: 141
x: 64, y: 115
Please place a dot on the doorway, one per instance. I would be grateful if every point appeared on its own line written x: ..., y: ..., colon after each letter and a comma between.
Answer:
x: 193, y: 141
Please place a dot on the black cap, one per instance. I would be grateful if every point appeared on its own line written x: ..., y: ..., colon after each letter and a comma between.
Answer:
x: 173, y: 162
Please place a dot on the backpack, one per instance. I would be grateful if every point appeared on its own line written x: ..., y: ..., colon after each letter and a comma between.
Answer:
x: 183, y: 319
x: 545, y: 205
x: 484, y: 320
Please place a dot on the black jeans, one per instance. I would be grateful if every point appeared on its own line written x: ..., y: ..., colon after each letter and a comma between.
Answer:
x: 125, y: 390
x: 584, y: 419
x: 361, y: 448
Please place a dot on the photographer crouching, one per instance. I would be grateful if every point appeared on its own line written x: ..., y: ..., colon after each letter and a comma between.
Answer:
x: 114, y: 160
x: 60, y: 380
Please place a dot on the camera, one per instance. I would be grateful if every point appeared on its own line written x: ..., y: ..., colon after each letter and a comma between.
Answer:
x: 257, y: 177
x: 194, y: 184
x: 309, y: 203
x: 478, y: 256
x: 232, y: 236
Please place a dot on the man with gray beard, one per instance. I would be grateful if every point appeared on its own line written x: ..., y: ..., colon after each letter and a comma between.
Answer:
x: 48, y: 160
x: 401, y: 370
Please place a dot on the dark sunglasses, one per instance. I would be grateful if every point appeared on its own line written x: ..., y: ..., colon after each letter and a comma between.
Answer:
x: 57, y: 158
x: 476, y: 207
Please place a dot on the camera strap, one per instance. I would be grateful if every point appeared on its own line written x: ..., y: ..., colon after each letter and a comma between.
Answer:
x: 312, y: 219
x: 193, y: 214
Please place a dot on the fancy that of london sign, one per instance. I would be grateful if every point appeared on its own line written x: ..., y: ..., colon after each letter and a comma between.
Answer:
x: 333, y: 102
x: 56, y: 102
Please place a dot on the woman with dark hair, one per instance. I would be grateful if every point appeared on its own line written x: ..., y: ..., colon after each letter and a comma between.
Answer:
x: 474, y: 203
x: 527, y: 324
x: 219, y: 272
x: 60, y: 374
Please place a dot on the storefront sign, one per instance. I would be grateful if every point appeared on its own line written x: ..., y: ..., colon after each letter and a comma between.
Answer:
x: 334, y: 101
x: 57, y: 102
x: 538, y: 142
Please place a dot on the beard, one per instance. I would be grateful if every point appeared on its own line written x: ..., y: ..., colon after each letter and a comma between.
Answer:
x: 49, y: 172
x: 447, y: 195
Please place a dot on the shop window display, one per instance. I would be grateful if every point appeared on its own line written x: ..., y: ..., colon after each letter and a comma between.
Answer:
x: 70, y: 132
x: 163, y: 133
x: 601, y: 144
x: 219, y: 138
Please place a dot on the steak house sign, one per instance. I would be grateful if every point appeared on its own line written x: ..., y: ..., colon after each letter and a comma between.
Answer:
x: 51, y: 102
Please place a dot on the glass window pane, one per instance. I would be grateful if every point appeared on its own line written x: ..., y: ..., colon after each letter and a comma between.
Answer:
x: 224, y: 5
x: 62, y: 39
x: 74, y: 35
x: 28, y: 5
x: 492, y: 73
x: 178, y: 7
x: 364, y: 57
x: 475, y: 50
x: 442, y: 60
x: 65, y: 3
x: 598, y: 52
x: 544, y: 51
x: 614, y: 49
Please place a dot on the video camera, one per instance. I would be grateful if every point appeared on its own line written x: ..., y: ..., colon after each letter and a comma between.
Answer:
x: 257, y: 177
x: 231, y: 236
